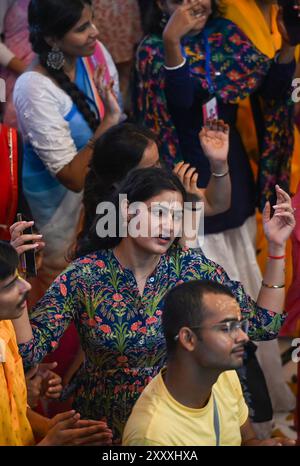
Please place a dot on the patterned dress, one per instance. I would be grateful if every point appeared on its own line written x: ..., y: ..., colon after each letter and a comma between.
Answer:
x: 120, y: 330
x: 222, y: 54
x: 119, y: 25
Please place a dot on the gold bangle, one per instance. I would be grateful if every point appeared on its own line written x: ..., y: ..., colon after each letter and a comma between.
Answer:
x: 266, y: 285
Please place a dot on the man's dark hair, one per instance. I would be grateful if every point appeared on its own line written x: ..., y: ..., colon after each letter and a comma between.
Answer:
x: 184, y: 307
x: 8, y: 260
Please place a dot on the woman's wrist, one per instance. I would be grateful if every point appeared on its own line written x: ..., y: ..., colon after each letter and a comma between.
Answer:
x: 276, y: 250
x: 171, y: 40
x: 286, y: 54
x: 219, y: 167
x: 108, y: 121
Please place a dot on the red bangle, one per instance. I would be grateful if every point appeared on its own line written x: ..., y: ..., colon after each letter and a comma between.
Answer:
x: 277, y: 257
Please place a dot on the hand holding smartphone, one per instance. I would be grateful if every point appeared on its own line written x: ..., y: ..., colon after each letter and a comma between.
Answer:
x: 27, y: 258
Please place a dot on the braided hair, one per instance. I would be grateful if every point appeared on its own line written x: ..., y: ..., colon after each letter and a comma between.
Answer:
x: 54, y: 18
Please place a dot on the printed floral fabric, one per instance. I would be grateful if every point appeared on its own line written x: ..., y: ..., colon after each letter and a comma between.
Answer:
x: 119, y: 25
x: 120, y: 330
x: 237, y: 70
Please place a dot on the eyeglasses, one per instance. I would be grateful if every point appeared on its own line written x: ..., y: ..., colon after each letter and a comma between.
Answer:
x: 231, y: 328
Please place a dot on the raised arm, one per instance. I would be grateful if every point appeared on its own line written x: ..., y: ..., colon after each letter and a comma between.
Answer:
x: 279, y: 78
x: 277, y: 230
x: 72, y: 175
x: 48, y: 132
x: 180, y: 85
x: 214, y: 139
x: 49, y: 319
x: 265, y: 315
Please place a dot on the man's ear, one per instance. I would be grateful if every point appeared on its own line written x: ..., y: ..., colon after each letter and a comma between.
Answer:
x: 187, y: 339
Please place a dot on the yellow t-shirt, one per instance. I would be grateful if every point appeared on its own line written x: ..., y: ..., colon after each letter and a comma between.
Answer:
x: 15, y: 429
x: 158, y: 419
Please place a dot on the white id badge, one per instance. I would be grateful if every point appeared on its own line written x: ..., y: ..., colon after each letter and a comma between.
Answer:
x: 210, y: 110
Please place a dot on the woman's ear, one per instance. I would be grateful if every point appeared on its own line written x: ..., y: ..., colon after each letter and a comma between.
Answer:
x: 161, y: 5
x: 50, y: 41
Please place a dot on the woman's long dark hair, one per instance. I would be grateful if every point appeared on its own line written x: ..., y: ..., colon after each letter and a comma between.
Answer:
x: 139, y: 186
x: 119, y: 150
x: 54, y: 18
x: 152, y: 16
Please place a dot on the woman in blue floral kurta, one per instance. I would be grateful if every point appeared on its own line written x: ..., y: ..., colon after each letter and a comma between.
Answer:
x: 120, y: 328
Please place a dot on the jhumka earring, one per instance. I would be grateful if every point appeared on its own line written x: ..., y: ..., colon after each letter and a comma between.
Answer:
x: 55, y: 58
x: 164, y: 19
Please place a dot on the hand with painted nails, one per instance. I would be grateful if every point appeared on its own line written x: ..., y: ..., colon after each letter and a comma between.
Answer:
x: 23, y: 243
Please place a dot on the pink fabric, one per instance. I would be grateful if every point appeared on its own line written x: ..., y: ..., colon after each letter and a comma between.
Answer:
x: 17, y: 40
x: 91, y: 64
x: 119, y: 26
x: 291, y: 326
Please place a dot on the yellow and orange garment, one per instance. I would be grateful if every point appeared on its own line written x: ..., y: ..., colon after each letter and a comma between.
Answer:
x: 248, y: 16
x: 15, y: 429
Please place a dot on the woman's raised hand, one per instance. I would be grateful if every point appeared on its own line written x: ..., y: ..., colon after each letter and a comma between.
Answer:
x: 279, y: 227
x: 185, y: 18
x: 106, y: 91
x: 188, y: 177
x: 23, y: 243
x: 214, y: 140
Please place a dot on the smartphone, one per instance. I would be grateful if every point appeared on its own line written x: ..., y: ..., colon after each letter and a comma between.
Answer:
x: 27, y: 259
x: 291, y: 20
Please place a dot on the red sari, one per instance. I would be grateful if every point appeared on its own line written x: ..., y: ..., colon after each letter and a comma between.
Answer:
x: 8, y: 179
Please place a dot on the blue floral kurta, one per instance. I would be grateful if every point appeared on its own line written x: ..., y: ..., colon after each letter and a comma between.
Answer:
x: 120, y: 330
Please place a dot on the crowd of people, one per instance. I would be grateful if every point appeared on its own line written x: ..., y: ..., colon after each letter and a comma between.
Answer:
x: 152, y: 150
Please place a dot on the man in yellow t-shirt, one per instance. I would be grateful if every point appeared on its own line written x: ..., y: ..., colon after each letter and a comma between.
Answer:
x: 197, y: 399
x: 15, y: 428
x: 17, y: 422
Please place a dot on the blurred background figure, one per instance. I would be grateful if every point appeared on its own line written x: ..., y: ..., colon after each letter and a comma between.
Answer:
x: 15, y: 49
x: 120, y: 30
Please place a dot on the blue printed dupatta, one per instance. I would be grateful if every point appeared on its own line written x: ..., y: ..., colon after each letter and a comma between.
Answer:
x: 238, y: 71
